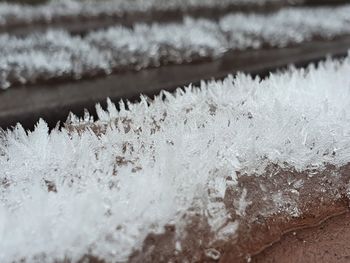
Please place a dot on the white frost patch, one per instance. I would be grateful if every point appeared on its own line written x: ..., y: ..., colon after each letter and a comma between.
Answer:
x: 56, y: 54
x: 61, y: 9
x: 217, y: 215
x: 228, y: 231
x: 242, y: 203
x: 298, y: 184
x: 108, y: 191
x: 218, y: 186
x: 286, y: 204
x: 213, y: 254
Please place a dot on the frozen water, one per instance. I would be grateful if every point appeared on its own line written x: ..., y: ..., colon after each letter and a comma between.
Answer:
x: 73, y: 192
x: 60, y: 9
x: 290, y: 25
x: 56, y: 54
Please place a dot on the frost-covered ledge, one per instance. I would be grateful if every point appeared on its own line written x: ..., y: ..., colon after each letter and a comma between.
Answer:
x: 59, y: 10
x: 57, y: 55
x: 184, y: 176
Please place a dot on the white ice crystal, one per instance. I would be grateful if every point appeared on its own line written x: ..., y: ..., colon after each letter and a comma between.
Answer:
x: 242, y: 203
x: 11, y: 13
x: 56, y: 54
x: 64, y: 194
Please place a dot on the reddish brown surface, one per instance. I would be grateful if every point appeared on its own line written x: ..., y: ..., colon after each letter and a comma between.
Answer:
x: 316, y: 201
x: 321, y: 195
x: 328, y: 242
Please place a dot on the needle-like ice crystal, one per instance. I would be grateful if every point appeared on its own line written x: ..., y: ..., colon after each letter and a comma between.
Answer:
x: 99, y: 188
x: 56, y: 54
x: 55, y: 10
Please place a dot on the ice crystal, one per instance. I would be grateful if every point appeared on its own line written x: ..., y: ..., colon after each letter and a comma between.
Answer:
x: 242, y: 203
x: 56, y: 54
x: 73, y: 192
x: 14, y: 14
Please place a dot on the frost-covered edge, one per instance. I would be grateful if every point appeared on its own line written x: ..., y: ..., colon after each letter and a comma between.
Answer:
x: 74, y: 192
x: 60, y: 9
x: 56, y: 54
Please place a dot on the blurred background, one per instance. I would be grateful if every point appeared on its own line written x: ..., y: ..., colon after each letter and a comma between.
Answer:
x: 61, y: 56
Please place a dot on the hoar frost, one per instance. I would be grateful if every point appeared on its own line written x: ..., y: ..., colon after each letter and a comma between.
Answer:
x: 76, y: 191
x: 57, y: 54
x: 62, y: 9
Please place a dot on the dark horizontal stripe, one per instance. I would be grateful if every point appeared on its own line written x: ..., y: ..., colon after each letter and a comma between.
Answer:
x: 324, y: 2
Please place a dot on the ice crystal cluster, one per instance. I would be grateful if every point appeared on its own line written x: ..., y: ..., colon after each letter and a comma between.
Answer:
x: 61, y: 9
x: 56, y: 54
x: 100, y: 187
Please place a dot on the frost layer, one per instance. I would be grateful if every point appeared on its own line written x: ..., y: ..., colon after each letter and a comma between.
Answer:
x: 56, y: 54
x: 100, y: 187
x: 12, y: 14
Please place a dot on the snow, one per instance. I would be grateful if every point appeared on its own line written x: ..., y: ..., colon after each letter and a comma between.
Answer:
x: 73, y: 192
x: 60, y: 9
x: 56, y: 54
